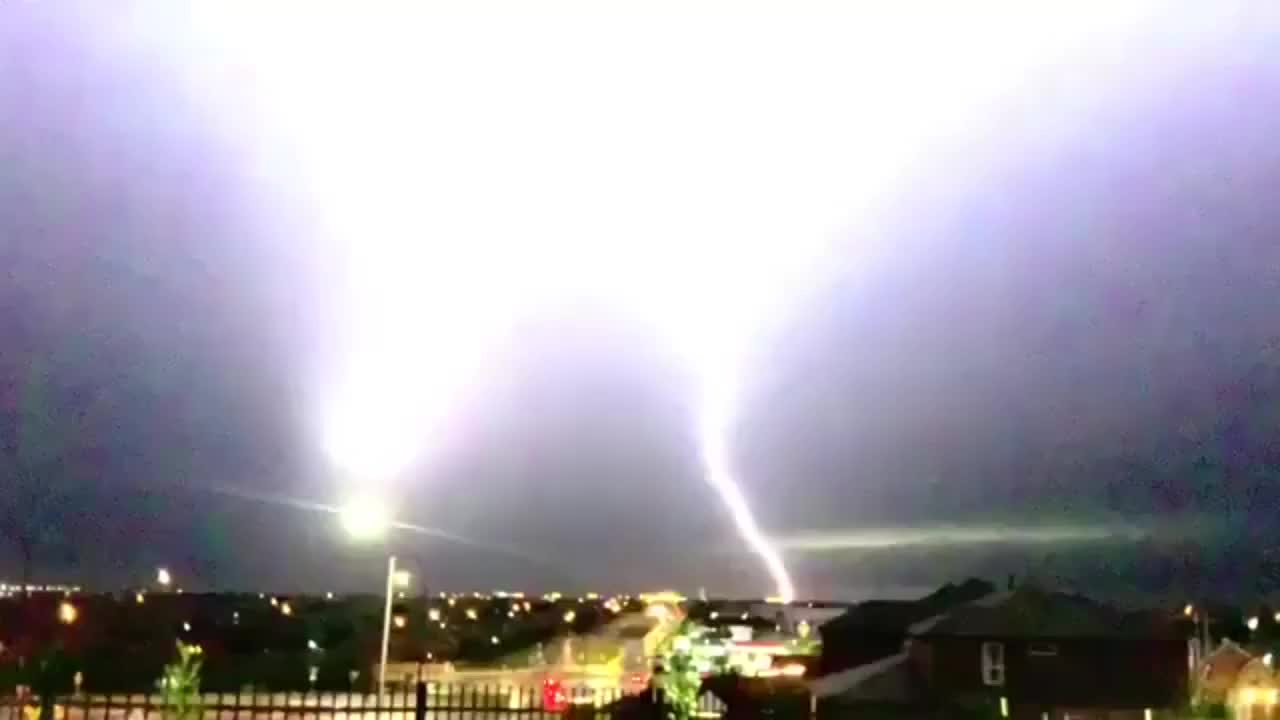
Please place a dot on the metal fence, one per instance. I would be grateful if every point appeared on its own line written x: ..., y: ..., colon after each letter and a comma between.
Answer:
x: 433, y: 701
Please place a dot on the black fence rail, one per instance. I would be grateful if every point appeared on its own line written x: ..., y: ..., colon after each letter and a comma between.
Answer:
x: 430, y: 701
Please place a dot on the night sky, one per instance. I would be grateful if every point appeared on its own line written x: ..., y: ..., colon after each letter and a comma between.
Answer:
x: 1056, y: 351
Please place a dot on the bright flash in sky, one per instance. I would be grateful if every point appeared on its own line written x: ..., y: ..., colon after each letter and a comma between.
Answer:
x: 687, y: 164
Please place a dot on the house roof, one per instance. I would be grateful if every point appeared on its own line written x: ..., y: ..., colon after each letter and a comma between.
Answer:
x: 1032, y: 612
x: 851, y: 680
x: 898, y: 615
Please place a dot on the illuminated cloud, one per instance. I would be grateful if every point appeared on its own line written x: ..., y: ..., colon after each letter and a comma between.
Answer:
x: 685, y: 164
x: 955, y: 536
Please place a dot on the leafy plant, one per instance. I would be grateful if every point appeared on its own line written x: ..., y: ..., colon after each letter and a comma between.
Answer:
x: 681, y: 680
x: 180, y: 684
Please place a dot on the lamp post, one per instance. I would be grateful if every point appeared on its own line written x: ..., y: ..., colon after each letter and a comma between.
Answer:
x: 365, y: 520
x: 386, y: 626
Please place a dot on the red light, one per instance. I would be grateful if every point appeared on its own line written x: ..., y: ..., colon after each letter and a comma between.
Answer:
x: 553, y: 697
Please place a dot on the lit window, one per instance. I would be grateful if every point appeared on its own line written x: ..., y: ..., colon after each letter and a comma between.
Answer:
x: 1040, y: 649
x: 993, y: 663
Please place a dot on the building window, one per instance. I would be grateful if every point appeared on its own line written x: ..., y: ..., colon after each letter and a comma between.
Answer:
x: 993, y: 663
x: 1042, y: 649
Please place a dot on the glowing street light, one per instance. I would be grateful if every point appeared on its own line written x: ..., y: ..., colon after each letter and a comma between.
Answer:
x: 286, y: 609
x: 67, y: 613
x: 365, y: 519
x: 163, y: 577
x: 433, y: 614
x: 1252, y: 623
x: 569, y: 616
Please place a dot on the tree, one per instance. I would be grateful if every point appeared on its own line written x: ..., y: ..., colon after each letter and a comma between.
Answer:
x: 681, y: 681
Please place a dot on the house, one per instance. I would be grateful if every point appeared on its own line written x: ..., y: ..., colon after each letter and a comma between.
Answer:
x: 1218, y: 672
x: 1253, y: 696
x: 1233, y: 677
x: 1026, y: 653
x: 1048, y: 655
x: 877, y: 629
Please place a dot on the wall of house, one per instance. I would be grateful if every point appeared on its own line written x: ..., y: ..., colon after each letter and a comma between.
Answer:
x: 1113, y: 672
x: 851, y: 648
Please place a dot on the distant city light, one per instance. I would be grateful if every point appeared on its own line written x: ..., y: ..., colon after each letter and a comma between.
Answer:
x: 286, y: 609
x: 186, y: 627
x: 163, y: 577
x: 494, y: 639
x: 569, y: 616
x: 471, y: 614
x: 433, y: 614
x: 399, y: 621
x: 402, y: 578
x: 1266, y: 659
x: 275, y: 602
x: 67, y: 613
x: 139, y: 598
x: 328, y: 596
x: 1188, y: 609
x: 1253, y: 623
x: 313, y: 645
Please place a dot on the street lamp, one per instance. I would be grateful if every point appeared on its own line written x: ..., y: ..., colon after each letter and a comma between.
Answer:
x: 163, y: 577
x: 365, y: 520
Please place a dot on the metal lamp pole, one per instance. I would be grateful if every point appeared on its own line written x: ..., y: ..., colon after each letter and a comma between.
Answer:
x: 386, y: 627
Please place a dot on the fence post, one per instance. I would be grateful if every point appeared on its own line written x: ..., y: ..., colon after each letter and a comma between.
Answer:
x: 420, y: 700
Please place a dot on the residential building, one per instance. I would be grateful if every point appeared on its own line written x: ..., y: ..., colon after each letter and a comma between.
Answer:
x: 1026, y: 653
x: 877, y: 629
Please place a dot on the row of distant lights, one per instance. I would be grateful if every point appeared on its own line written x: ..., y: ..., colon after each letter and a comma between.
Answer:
x: 7, y: 590
x: 1252, y: 622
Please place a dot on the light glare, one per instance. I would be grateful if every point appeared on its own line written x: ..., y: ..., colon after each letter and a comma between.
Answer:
x: 365, y: 519
x: 691, y: 186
